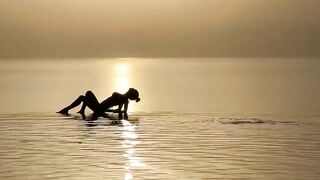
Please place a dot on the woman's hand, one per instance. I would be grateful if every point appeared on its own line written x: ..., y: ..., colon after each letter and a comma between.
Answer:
x: 125, y: 116
x: 120, y: 115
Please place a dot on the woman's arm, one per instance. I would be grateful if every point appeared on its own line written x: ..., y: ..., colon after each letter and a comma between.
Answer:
x: 125, y: 110
x: 119, y: 111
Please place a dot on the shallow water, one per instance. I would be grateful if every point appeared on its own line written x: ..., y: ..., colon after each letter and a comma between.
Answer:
x: 159, y: 145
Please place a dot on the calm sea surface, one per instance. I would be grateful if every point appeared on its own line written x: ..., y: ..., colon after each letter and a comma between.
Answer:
x: 198, y: 118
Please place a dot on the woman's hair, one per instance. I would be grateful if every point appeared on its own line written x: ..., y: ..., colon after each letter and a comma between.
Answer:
x: 134, y: 94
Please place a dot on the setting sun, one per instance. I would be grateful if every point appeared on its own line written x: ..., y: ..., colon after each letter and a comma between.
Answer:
x: 122, y: 77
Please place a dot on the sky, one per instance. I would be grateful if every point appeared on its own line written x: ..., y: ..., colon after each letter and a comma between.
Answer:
x: 166, y: 28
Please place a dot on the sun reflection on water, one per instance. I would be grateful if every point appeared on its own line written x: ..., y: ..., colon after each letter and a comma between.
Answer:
x: 130, y: 141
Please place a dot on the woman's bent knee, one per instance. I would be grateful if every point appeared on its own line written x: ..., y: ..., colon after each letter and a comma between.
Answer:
x: 89, y: 93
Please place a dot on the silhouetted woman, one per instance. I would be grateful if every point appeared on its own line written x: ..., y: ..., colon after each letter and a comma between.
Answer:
x: 99, y: 109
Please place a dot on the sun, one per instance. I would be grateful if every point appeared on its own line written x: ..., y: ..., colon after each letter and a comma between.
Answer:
x: 122, y: 77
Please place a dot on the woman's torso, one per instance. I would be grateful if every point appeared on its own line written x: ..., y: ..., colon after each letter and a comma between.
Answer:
x: 114, y: 100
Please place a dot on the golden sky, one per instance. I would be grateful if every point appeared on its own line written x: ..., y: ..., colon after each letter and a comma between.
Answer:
x: 162, y: 28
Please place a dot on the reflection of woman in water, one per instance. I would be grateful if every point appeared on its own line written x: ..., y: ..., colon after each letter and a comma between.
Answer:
x: 99, y: 109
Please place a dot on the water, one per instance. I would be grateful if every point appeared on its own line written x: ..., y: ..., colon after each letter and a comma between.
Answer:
x: 159, y: 146
x: 215, y: 119
x: 271, y: 86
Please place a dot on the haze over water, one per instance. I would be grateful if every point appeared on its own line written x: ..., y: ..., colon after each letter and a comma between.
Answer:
x: 231, y: 85
x: 198, y: 118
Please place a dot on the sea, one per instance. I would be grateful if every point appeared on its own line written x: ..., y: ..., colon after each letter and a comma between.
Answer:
x: 198, y: 118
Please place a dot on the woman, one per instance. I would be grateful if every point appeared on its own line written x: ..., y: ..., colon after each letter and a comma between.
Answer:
x: 99, y: 109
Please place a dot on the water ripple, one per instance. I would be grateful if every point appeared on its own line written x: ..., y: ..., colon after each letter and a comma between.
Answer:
x: 159, y: 145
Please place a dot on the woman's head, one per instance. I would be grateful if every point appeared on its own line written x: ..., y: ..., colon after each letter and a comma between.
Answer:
x: 133, y: 94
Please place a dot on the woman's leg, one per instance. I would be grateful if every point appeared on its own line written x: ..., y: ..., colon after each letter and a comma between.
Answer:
x: 88, y: 100
x: 91, y: 101
x: 72, y: 105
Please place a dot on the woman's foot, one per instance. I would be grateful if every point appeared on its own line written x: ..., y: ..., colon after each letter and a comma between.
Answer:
x: 63, y: 111
x: 81, y: 112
